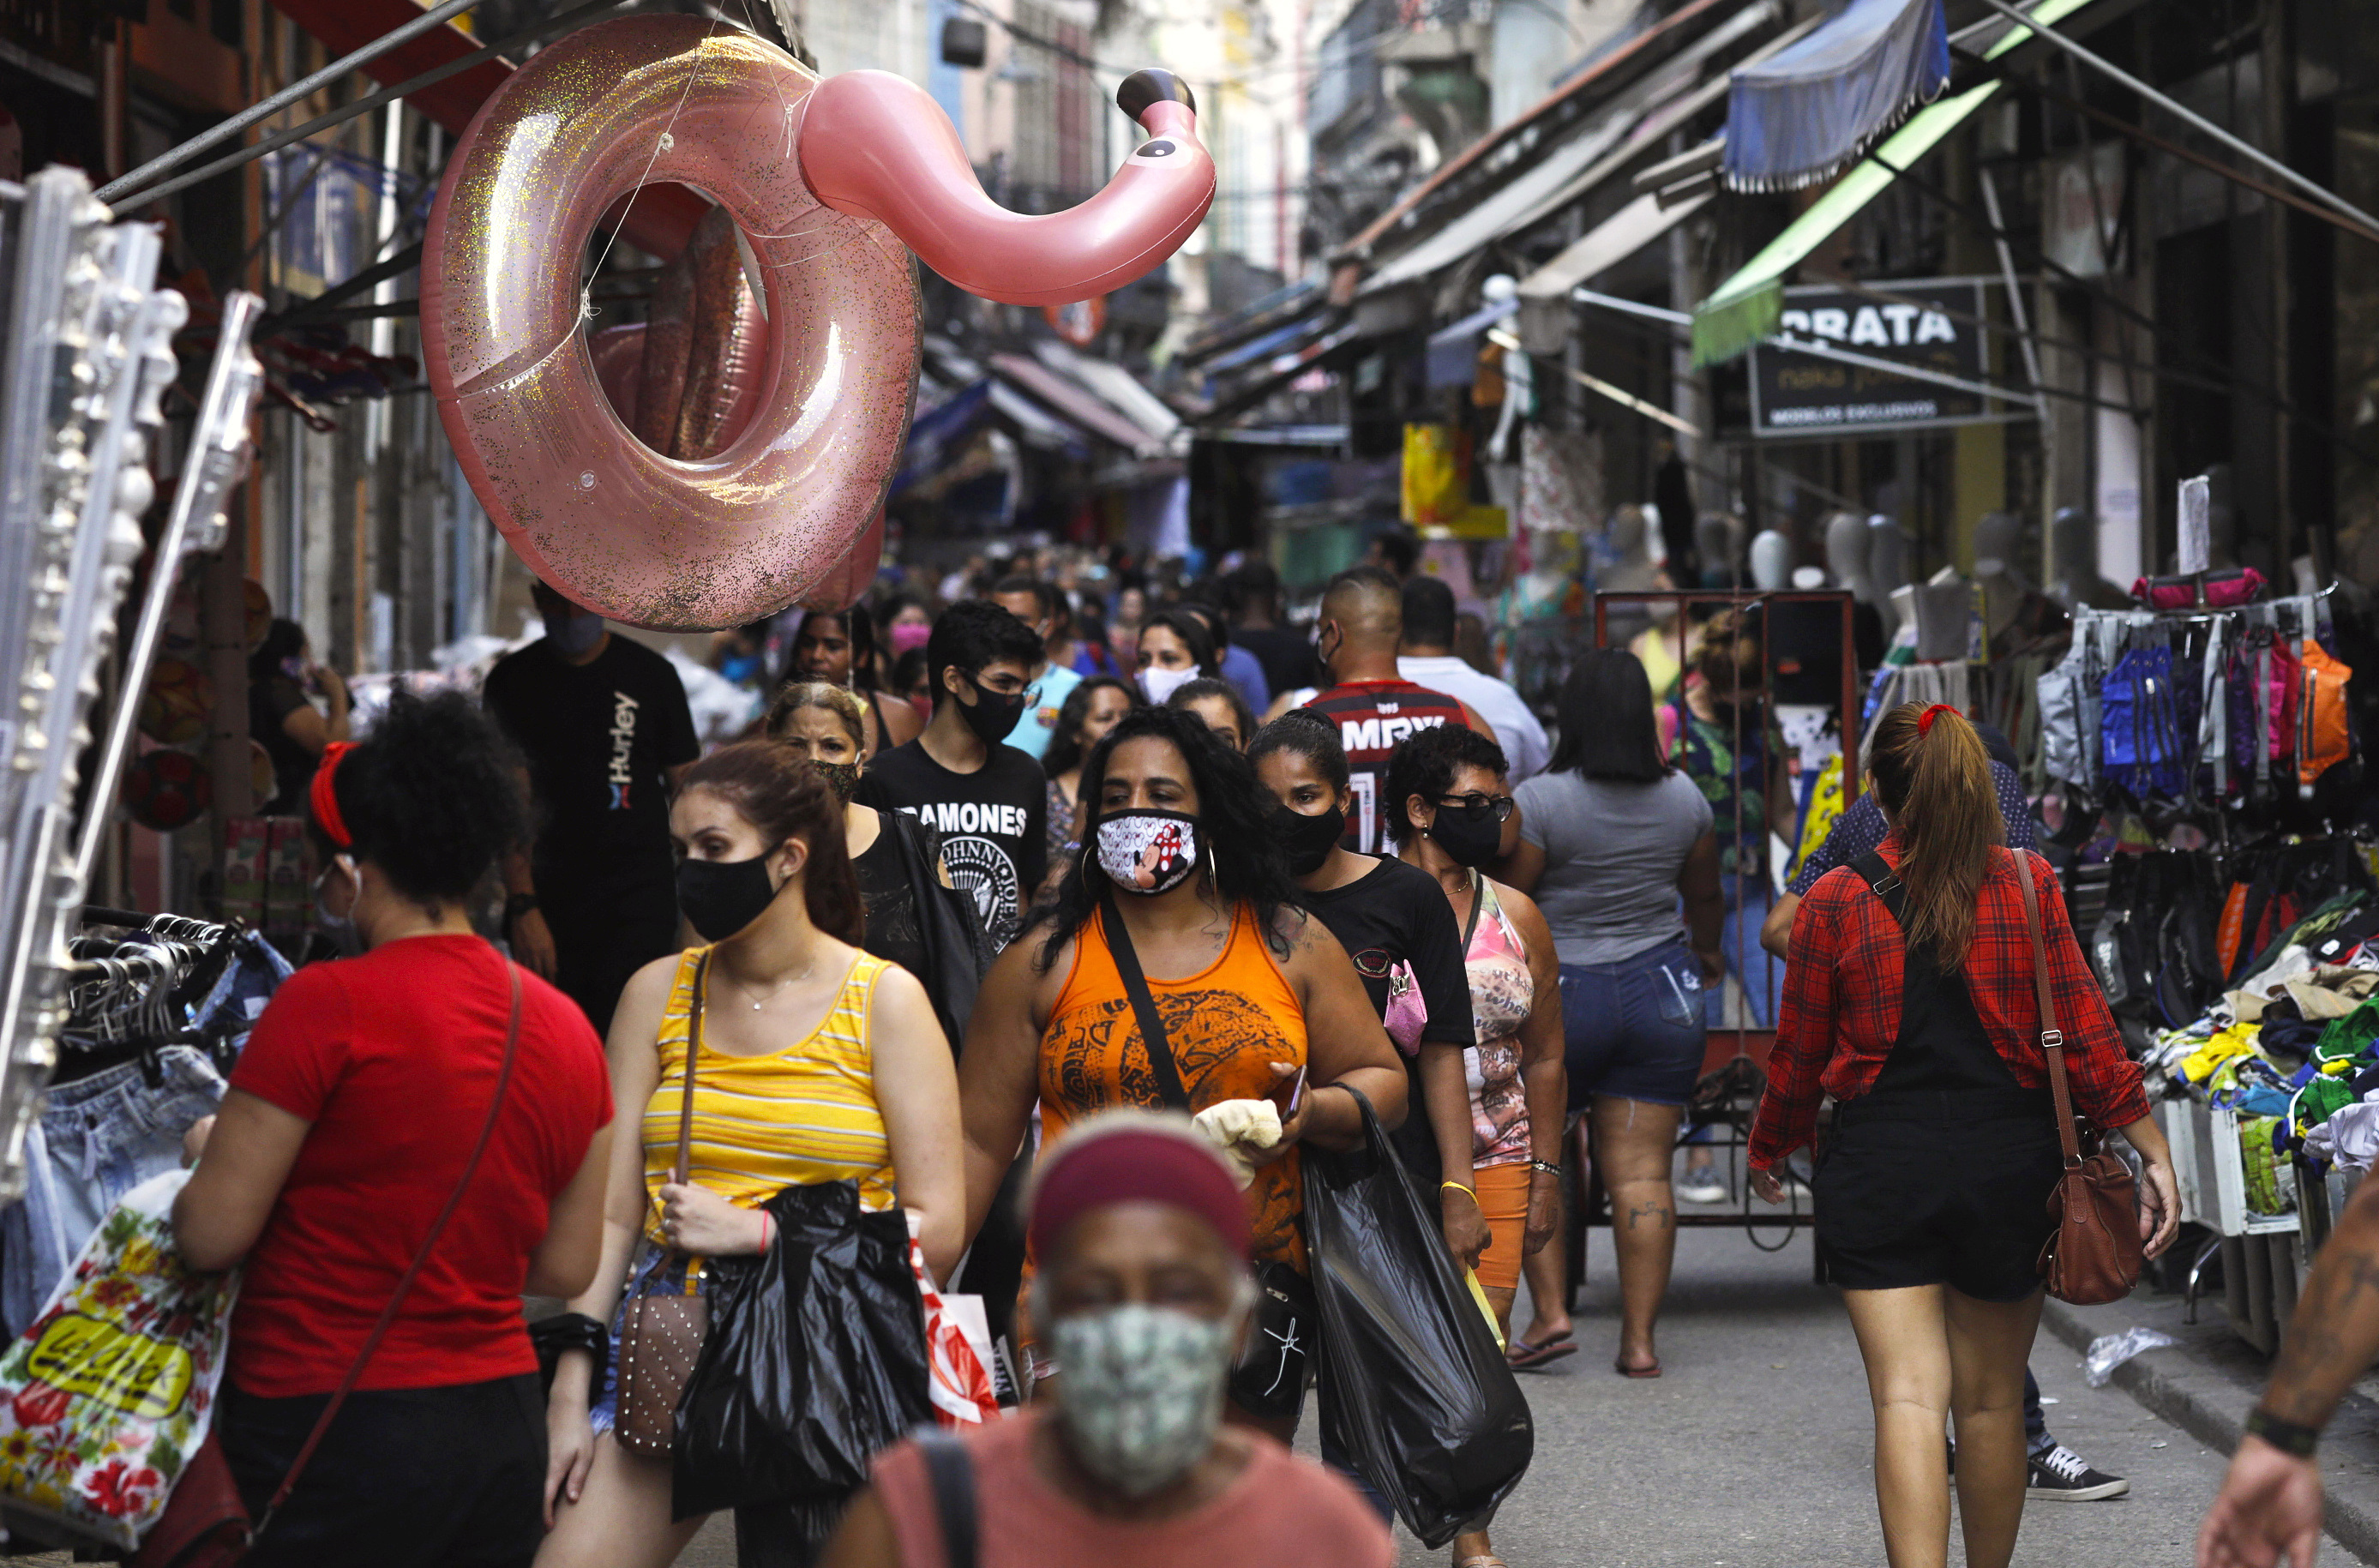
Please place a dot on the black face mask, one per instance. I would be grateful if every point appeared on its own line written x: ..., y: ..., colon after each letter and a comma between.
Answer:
x: 995, y: 715
x: 720, y: 897
x: 1307, y: 841
x: 1468, y: 839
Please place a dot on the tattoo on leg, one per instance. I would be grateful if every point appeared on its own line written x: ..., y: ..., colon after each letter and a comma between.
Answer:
x: 1657, y: 1212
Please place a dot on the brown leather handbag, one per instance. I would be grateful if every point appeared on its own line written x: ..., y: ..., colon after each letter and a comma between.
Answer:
x: 661, y: 1336
x: 2094, y: 1255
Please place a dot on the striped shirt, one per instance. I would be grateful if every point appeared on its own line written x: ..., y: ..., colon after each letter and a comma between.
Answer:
x: 803, y: 1115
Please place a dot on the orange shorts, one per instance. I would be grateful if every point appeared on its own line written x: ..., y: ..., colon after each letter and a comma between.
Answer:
x: 1504, y: 1198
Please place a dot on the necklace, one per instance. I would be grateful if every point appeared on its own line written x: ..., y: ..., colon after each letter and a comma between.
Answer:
x: 789, y: 980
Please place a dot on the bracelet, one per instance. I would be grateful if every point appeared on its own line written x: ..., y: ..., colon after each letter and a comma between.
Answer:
x: 767, y: 1231
x: 1458, y: 1187
x: 1545, y: 1166
x: 2288, y: 1437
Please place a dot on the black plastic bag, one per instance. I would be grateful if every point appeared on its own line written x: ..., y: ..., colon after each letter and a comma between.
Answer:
x: 1414, y: 1389
x: 814, y: 1362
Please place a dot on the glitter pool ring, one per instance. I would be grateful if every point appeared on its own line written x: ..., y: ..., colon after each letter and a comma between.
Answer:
x: 783, y: 513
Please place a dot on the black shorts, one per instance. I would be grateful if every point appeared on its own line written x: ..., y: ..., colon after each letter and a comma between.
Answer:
x: 1907, y: 1196
x: 420, y: 1477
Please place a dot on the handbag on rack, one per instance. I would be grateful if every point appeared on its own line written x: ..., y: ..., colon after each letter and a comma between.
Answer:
x: 661, y: 1335
x: 2093, y: 1257
x: 205, y: 1523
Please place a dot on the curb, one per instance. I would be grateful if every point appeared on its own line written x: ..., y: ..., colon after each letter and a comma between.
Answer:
x: 2209, y: 1400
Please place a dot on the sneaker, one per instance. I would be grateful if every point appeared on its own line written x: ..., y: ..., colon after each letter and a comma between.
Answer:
x: 1703, y: 1186
x: 2058, y: 1472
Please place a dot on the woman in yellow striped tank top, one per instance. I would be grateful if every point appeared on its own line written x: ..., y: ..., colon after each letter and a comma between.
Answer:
x: 816, y: 1062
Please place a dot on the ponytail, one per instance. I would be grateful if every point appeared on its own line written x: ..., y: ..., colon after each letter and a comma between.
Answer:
x: 1935, y: 780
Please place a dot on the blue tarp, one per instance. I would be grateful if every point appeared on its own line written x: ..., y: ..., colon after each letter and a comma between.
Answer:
x: 1801, y: 115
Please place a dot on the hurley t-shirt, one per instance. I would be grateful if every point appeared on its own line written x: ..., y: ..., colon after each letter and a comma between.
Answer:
x: 1613, y: 851
x: 992, y: 821
x: 600, y: 739
x: 1373, y: 718
x: 392, y: 1057
x: 1397, y: 914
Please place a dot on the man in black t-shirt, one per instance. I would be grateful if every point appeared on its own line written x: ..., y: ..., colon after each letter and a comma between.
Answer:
x: 988, y: 800
x: 603, y: 725
x: 1252, y: 594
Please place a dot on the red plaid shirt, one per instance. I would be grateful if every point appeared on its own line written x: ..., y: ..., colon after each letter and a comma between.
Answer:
x: 1842, y: 1004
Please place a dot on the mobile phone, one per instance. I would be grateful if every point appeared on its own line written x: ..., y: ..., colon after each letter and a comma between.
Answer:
x: 1296, y: 1096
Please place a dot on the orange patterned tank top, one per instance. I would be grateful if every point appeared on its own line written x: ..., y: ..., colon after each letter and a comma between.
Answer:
x: 1226, y: 1024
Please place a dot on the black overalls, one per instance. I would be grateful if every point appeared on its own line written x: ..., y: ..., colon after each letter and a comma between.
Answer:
x: 1941, y: 1173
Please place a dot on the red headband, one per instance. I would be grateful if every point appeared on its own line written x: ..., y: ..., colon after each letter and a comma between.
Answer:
x: 1136, y: 1165
x: 324, y: 797
x: 1925, y: 720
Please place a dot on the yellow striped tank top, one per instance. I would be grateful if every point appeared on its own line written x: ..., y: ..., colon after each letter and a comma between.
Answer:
x: 800, y: 1116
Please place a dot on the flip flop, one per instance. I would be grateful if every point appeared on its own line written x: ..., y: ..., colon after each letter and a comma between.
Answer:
x: 1525, y: 1356
x: 1624, y: 1370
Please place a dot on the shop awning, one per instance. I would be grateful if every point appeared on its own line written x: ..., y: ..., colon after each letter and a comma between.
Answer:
x: 1118, y: 387
x: 1077, y: 404
x: 1748, y: 306
x: 1568, y: 171
x: 1544, y: 293
x: 1800, y: 115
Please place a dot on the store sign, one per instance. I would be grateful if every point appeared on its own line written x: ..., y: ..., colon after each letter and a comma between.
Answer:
x: 1925, y: 325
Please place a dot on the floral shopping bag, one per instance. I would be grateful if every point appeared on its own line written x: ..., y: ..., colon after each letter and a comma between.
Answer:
x: 111, y: 1391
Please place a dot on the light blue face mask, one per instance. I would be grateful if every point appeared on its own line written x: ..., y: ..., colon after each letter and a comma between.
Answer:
x: 340, y: 930
x: 1140, y: 1392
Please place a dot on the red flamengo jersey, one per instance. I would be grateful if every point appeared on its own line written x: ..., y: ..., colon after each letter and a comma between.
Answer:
x: 1374, y: 718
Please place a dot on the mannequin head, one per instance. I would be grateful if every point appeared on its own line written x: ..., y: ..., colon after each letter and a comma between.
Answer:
x: 1771, y: 561
x: 1626, y: 534
x: 2000, y: 545
x: 1886, y: 553
x: 1718, y: 540
x: 1846, y: 555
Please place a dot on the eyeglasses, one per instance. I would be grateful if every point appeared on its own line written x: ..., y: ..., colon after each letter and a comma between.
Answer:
x: 1477, y: 806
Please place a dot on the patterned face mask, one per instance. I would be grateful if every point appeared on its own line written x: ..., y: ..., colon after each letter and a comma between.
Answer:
x: 1159, y: 845
x: 1141, y: 1392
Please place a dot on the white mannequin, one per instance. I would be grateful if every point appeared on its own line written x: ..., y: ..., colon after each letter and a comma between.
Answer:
x: 1999, y: 552
x: 1846, y: 553
x: 1887, y: 564
x: 2073, y: 579
x: 1718, y: 538
x: 1634, y: 572
x: 1771, y: 561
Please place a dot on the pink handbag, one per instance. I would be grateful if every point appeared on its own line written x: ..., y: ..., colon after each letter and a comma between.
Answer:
x: 1407, y: 1013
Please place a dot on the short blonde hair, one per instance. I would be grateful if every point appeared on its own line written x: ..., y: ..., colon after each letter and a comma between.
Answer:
x: 796, y: 695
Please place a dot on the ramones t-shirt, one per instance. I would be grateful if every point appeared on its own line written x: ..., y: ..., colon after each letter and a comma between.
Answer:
x: 993, y: 823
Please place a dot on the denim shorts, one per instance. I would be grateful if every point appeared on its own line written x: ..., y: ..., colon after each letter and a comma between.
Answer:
x: 1634, y: 1028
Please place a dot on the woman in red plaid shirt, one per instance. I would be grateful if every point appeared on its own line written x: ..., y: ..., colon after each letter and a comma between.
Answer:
x: 1908, y: 999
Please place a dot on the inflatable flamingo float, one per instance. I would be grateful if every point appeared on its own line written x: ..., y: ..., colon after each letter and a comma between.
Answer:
x: 765, y: 487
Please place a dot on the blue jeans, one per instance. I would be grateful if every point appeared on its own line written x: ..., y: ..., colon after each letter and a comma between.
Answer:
x: 1758, y: 972
x: 1634, y: 1028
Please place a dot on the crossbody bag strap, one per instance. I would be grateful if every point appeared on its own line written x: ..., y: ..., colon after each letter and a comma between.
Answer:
x: 2052, y: 1041
x: 1143, y: 1005
x: 412, y: 1269
x: 949, y: 1471
x: 684, y: 1165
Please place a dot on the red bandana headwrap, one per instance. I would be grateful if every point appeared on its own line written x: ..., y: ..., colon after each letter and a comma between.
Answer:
x: 1925, y: 720
x: 1137, y: 1164
x: 324, y: 798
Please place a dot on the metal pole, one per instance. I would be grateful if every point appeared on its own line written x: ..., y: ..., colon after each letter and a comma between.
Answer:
x: 2187, y: 117
x: 410, y: 85
x: 2015, y: 290
x: 111, y: 191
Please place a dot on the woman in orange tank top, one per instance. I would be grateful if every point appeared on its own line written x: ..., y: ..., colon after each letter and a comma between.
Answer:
x: 1258, y: 1002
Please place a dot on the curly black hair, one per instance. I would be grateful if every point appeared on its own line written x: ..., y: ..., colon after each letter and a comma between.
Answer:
x: 1424, y: 766
x: 1307, y: 734
x: 1240, y: 856
x: 429, y: 796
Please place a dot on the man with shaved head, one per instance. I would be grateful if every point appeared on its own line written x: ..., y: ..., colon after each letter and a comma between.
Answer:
x: 1362, y: 622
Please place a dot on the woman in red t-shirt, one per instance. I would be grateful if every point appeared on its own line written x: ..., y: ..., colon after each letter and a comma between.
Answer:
x: 349, y: 1124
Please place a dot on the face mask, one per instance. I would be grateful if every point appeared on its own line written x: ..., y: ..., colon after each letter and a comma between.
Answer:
x: 994, y: 716
x: 1306, y: 840
x: 572, y: 633
x: 339, y: 930
x: 1321, y: 635
x: 1161, y: 843
x: 907, y: 635
x: 842, y: 778
x: 1141, y: 1393
x: 1158, y: 685
x: 720, y: 897
x: 1466, y: 839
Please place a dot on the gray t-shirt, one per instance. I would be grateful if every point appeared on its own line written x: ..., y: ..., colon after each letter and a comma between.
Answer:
x: 1613, y: 850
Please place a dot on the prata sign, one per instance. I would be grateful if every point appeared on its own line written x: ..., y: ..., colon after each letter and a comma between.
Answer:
x: 1928, y: 324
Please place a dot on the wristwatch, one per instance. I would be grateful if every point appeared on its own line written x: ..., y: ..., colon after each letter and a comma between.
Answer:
x: 517, y: 905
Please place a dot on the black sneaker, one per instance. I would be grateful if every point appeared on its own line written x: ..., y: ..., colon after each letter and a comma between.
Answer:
x: 2058, y: 1472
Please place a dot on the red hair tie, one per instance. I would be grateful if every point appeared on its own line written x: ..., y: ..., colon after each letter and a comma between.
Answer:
x: 1925, y: 720
x: 324, y: 797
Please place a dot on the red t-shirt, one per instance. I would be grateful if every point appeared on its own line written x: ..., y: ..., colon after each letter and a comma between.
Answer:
x: 392, y: 1057
x: 1375, y: 718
